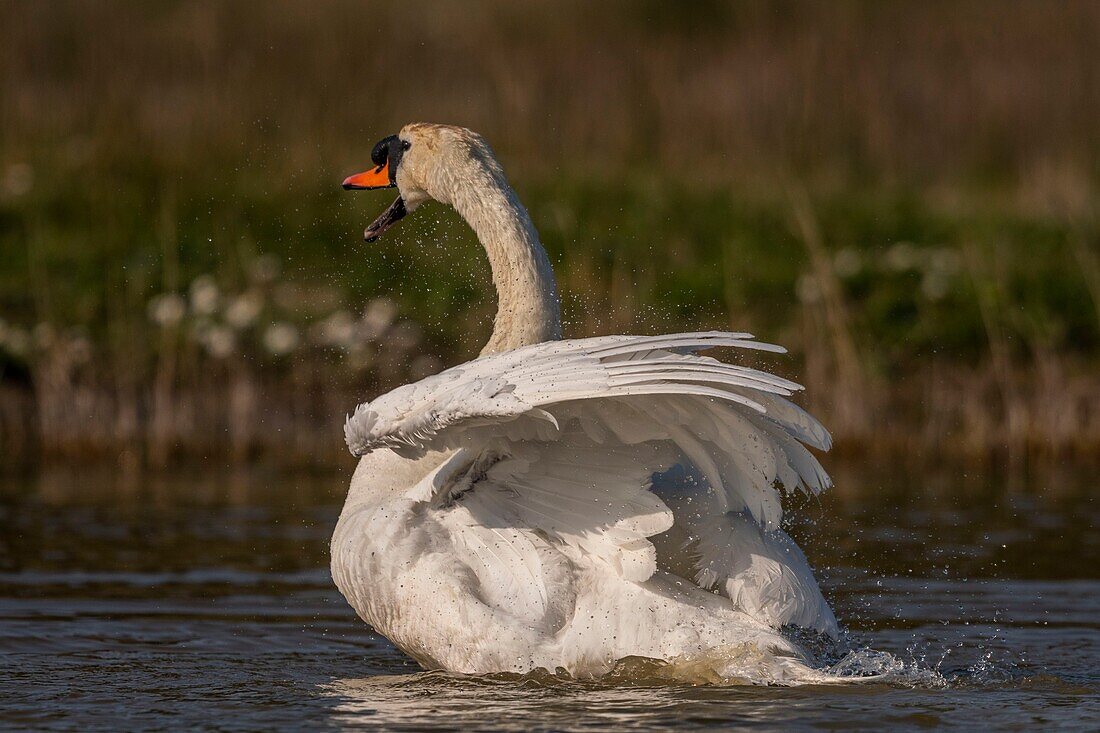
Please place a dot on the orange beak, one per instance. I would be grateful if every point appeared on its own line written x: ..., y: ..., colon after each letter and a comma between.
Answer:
x: 375, y: 178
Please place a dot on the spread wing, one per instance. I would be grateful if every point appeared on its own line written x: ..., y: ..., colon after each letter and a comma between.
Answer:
x: 581, y: 440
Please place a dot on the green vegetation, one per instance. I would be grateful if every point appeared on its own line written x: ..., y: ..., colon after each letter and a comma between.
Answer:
x: 179, y: 263
x: 637, y: 255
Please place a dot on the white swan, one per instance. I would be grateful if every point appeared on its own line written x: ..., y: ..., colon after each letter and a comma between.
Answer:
x: 568, y: 504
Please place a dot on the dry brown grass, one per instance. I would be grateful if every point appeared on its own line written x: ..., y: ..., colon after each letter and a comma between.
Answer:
x: 933, y: 91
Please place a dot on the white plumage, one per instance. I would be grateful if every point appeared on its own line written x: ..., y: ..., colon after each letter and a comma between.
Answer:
x: 567, y: 504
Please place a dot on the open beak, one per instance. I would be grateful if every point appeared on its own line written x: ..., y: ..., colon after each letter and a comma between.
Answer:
x: 377, y: 178
x: 387, y: 219
x: 386, y: 155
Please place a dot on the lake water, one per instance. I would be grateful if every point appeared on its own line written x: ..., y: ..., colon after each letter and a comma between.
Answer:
x: 205, y: 603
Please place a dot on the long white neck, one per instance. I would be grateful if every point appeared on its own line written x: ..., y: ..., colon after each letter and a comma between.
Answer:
x: 527, y: 296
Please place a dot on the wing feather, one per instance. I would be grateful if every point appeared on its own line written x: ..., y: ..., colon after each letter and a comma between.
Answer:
x: 583, y: 426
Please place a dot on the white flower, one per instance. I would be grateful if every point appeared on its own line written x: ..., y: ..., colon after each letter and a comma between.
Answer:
x: 847, y: 262
x: 244, y: 310
x: 204, y: 295
x: 807, y: 289
x: 378, y: 317
x: 901, y: 256
x: 219, y: 341
x: 17, y: 341
x: 281, y: 338
x: 167, y: 309
x: 338, y: 330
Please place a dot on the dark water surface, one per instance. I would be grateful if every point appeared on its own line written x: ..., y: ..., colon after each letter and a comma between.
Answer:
x: 205, y: 603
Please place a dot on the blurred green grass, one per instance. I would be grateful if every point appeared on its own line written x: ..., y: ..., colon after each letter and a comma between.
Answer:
x: 640, y: 254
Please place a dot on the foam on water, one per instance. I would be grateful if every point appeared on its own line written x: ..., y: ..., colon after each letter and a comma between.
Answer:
x: 884, y: 667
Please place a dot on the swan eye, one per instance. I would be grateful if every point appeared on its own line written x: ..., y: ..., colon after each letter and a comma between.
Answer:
x: 405, y: 144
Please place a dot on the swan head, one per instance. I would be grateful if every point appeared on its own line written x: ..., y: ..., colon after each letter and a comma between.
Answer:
x: 424, y: 161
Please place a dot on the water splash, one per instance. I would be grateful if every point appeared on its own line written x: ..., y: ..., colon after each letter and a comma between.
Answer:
x: 884, y: 667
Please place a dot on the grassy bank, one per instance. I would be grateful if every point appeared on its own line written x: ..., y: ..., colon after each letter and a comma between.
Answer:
x: 240, y: 325
x: 902, y: 195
